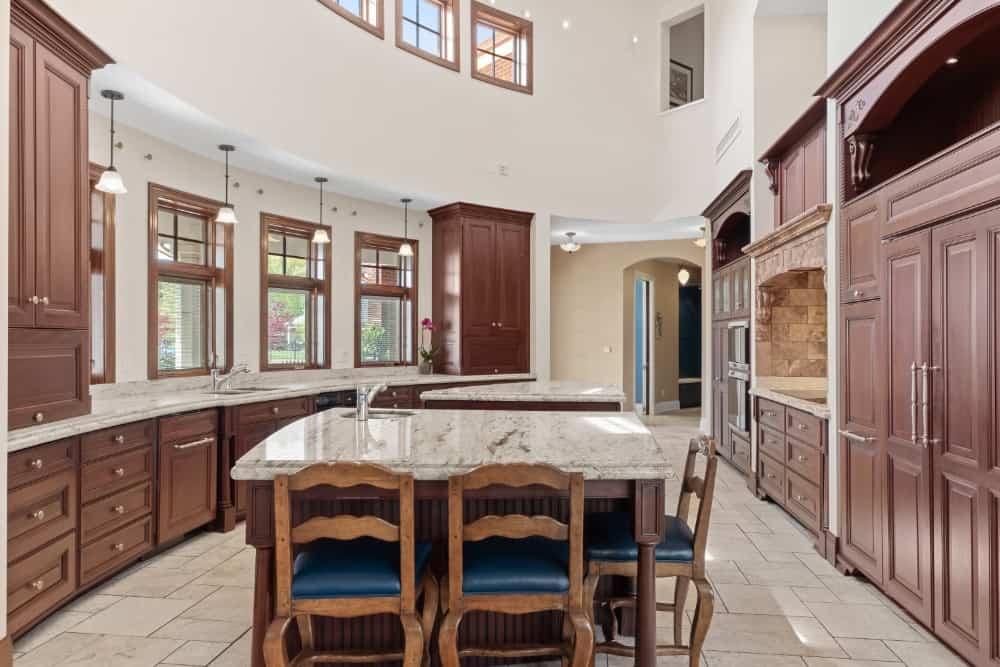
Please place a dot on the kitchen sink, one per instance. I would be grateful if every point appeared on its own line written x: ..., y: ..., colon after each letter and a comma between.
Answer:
x: 380, y: 414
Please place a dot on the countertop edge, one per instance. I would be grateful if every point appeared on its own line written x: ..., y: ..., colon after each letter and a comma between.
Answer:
x: 815, y: 409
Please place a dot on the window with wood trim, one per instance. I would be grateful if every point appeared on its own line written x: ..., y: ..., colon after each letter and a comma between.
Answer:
x: 365, y: 14
x: 102, y: 282
x: 429, y: 29
x: 295, y: 295
x: 190, y: 285
x: 501, y: 48
x: 386, y: 298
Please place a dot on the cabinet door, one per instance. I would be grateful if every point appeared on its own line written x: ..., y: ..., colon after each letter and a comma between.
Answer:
x: 188, y: 477
x: 859, y: 255
x: 21, y: 233
x: 907, y: 528
x: 249, y: 436
x: 513, y: 291
x: 963, y: 392
x: 861, y: 455
x: 479, y: 278
x: 49, y: 376
x: 720, y: 395
x: 61, y: 187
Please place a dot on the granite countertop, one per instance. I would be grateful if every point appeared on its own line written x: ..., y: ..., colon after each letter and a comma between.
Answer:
x: 806, y: 400
x: 536, y: 391
x: 433, y: 444
x: 113, y: 405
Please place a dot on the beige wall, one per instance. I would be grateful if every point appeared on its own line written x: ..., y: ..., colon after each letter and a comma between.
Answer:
x: 588, y: 339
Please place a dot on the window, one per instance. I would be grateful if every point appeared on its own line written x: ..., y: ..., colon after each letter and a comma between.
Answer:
x: 683, y: 60
x: 191, y: 285
x: 295, y: 296
x: 102, y: 282
x: 428, y: 28
x: 501, y: 48
x: 386, y: 301
x: 366, y: 14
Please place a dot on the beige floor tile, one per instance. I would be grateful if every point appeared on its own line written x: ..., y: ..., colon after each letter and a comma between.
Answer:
x: 90, y: 604
x: 193, y: 592
x: 133, y: 617
x: 51, y: 627
x: 770, y: 600
x: 847, y: 662
x: 168, y: 561
x: 866, y: 649
x: 237, y: 655
x: 237, y: 571
x: 229, y: 603
x: 788, y: 574
x: 790, y: 542
x: 864, y: 621
x: 814, y: 594
x: 151, y: 583
x: 720, y: 659
x: 780, y: 556
x: 200, y: 630
x: 724, y: 572
x: 99, y: 651
x: 853, y: 590
x: 921, y: 654
x: 731, y: 545
x: 818, y: 565
x: 196, y: 653
x: 773, y: 635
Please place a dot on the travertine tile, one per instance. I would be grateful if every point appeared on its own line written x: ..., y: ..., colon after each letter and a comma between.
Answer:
x: 90, y: 604
x: 151, y: 583
x: 193, y: 592
x: 133, y: 617
x: 229, y: 603
x: 199, y: 630
x: 846, y: 662
x: 720, y: 659
x: 196, y: 653
x: 237, y: 655
x: 865, y: 621
x: 51, y: 627
x: 772, y: 600
x: 777, y: 635
x: 854, y: 591
x: 866, y: 649
x: 789, y: 574
x: 81, y: 650
x: 237, y: 571
x: 921, y: 654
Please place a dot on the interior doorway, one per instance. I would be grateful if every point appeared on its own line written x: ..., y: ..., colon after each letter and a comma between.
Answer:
x: 642, y: 330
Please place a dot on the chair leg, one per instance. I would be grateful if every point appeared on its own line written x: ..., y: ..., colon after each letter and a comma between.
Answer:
x: 583, y: 644
x: 680, y: 600
x: 275, y: 650
x: 430, y: 612
x: 448, y: 638
x: 413, y: 649
x: 305, y: 625
x: 702, y: 619
x: 589, y: 593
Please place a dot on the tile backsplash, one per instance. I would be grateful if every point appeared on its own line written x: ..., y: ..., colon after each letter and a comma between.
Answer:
x: 791, y: 332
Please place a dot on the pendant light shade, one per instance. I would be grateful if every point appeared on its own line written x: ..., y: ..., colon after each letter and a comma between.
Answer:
x: 227, y: 214
x: 570, y: 245
x: 405, y: 249
x: 320, y: 236
x: 700, y: 241
x: 111, y: 181
x: 683, y: 276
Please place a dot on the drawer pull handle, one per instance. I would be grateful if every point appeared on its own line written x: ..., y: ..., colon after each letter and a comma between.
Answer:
x: 119, y: 472
x: 859, y: 439
x: 34, y: 300
x: 275, y: 410
x: 45, y: 300
x: 38, y: 515
x: 38, y: 585
x: 801, y: 499
x: 768, y: 413
x: 801, y: 427
x: 770, y: 475
x: 196, y: 443
x: 802, y: 459
x: 120, y: 439
x: 37, y: 464
x: 119, y: 547
x: 118, y: 509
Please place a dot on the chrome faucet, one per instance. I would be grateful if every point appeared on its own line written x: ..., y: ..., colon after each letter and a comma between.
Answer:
x: 365, y: 397
x: 220, y: 380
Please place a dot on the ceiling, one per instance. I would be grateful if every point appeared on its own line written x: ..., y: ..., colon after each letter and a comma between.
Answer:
x: 598, y: 231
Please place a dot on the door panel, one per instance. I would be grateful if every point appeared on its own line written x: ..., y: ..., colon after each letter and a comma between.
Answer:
x: 859, y: 265
x: 907, y: 529
x: 513, y: 273
x: 187, y: 490
x: 62, y: 198
x: 478, y: 278
x: 957, y: 569
x: 21, y: 233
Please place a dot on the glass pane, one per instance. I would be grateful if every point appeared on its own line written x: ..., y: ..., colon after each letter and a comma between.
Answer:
x: 410, y: 9
x: 219, y: 326
x: 430, y: 15
x: 504, y: 69
x: 319, y: 322
x: 221, y: 230
x: 410, y: 33
x: 165, y: 248
x: 369, y: 275
x: 368, y: 256
x: 97, y: 333
x: 484, y: 37
x: 381, y: 326
x: 287, y: 324
x: 190, y: 227
x: 353, y: 6
x: 275, y: 243
x: 297, y: 267
x: 407, y: 331
x: 504, y: 43
x: 484, y: 63
x: 165, y: 222
x: 97, y: 220
x: 296, y: 246
x: 430, y: 42
x: 275, y: 264
x: 191, y: 252
x: 181, y: 327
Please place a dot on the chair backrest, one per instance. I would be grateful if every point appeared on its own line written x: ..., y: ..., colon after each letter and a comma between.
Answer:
x: 515, y: 526
x: 343, y: 527
x: 702, y: 488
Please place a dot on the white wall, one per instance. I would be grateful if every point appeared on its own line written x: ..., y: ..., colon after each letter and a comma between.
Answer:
x: 4, y: 221
x: 185, y: 171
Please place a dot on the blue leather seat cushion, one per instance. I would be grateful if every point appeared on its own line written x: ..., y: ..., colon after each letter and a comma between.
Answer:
x: 359, y: 568
x: 608, y: 536
x: 497, y: 566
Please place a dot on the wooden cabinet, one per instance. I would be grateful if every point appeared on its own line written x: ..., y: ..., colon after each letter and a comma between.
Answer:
x: 720, y: 396
x: 796, y: 165
x: 732, y: 291
x: 48, y: 234
x: 188, y: 465
x: 860, y: 267
x: 482, y: 293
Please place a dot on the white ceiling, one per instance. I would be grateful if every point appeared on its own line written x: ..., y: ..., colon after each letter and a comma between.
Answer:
x: 791, y: 7
x: 599, y: 231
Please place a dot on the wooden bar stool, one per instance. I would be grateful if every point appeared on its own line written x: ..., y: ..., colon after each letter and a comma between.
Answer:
x: 348, y: 566
x: 516, y: 564
x: 611, y: 550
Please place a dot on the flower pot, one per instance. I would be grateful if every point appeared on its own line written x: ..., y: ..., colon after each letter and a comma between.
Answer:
x: 426, y: 368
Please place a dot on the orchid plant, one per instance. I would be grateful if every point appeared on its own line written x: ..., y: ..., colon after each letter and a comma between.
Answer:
x: 427, y: 352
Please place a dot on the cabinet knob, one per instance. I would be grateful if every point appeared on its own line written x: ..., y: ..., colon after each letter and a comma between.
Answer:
x: 275, y: 410
x: 395, y: 406
x: 38, y: 585
x: 802, y: 427
x: 496, y: 370
x: 770, y: 475
x: 802, y: 459
x: 38, y: 515
x: 120, y: 439
x: 119, y: 547
x: 119, y: 472
x: 34, y: 300
x: 39, y: 417
x: 858, y: 293
x: 45, y: 300
x: 768, y: 413
x: 499, y: 325
x: 37, y: 464
x: 801, y: 498
x: 119, y: 509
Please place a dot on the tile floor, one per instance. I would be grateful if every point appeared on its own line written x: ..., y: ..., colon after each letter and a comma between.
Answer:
x: 192, y: 604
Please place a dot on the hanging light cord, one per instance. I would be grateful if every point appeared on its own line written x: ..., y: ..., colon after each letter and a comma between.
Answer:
x: 112, y: 165
x: 321, y: 203
x: 227, y: 178
x: 406, y: 213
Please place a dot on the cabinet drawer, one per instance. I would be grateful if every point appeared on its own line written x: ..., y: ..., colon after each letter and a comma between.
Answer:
x: 109, y: 513
x: 110, y: 441
x: 772, y: 477
x: 39, y: 582
x: 494, y: 354
x: 52, y: 369
x: 116, y: 549
x: 741, y: 452
x: 40, y: 512
x: 805, y: 460
x: 771, y: 414
x: 188, y: 426
x: 771, y: 443
x: 395, y: 397
x: 35, y: 463
x: 259, y: 412
x: 116, y: 473
x: 802, y: 499
x: 804, y: 427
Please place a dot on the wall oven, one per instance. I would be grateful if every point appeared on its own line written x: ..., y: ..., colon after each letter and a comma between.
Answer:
x: 738, y: 375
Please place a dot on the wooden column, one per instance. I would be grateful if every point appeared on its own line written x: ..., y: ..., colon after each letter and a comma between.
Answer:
x: 649, y: 527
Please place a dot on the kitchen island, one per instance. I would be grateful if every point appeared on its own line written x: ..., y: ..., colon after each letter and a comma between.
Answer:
x: 623, y: 466
x: 534, y: 395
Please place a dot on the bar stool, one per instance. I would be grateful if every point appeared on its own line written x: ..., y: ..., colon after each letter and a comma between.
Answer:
x: 516, y: 564
x: 348, y: 566
x: 611, y: 550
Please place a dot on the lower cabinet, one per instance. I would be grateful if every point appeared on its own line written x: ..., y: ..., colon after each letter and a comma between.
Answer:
x: 188, y: 473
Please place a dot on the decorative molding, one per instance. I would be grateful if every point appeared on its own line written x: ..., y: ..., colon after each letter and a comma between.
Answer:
x: 860, y: 147
x: 801, y: 225
x: 467, y: 210
x: 771, y: 165
x: 58, y: 35
x: 728, y: 139
x: 735, y: 197
x: 810, y: 118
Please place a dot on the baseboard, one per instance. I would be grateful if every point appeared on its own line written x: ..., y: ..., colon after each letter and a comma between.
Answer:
x: 666, y: 406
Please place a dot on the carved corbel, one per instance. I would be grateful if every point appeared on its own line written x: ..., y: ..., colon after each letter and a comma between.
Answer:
x: 861, y: 147
x: 765, y: 298
x: 771, y: 167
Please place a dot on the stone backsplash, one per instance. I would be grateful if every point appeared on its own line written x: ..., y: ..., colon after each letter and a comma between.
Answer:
x: 791, y: 330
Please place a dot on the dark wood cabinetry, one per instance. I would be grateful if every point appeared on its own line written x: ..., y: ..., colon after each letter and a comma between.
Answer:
x: 48, y: 270
x: 188, y: 472
x: 796, y: 165
x: 482, y: 291
x: 860, y: 268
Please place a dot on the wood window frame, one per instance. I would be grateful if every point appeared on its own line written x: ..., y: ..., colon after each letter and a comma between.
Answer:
x: 363, y: 240
x: 521, y: 27
x: 317, y: 286
x: 447, y: 7
x: 212, y: 276
x: 105, y: 260
x: 378, y: 29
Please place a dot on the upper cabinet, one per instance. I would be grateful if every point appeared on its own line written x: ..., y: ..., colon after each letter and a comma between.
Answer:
x: 796, y: 165
x: 482, y: 290
x: 729, y: 214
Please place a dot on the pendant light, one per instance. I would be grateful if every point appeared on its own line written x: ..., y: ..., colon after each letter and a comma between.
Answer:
x: 320, y: 236
x: 227, y: 214
x: 111, y: 181
x: 570, y: 245
x: 700, y: 241
x: 683, y: 276
x: 405, y: 249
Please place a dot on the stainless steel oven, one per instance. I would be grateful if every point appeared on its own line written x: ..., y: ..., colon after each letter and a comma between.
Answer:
x: 738, y: 378
x: 739, y: 345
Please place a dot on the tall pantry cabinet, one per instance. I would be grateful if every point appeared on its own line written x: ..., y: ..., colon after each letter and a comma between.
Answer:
x: 48, y: 272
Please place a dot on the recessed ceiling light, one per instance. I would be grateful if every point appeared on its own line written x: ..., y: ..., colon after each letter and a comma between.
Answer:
x: 951, y: 61
x: 565, y: 24
x: 635, y: 39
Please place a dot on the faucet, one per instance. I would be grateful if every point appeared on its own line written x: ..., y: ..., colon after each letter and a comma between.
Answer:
x: 365, y: 397
x: 220, y: 380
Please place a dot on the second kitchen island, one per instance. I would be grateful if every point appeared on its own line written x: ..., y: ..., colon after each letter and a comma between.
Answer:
x: 559, y: 395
